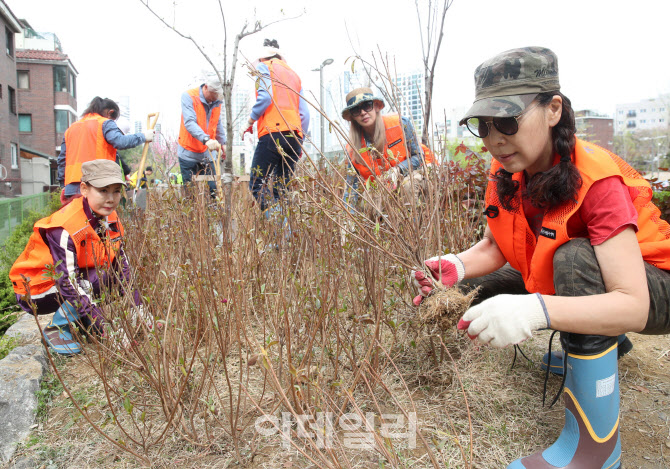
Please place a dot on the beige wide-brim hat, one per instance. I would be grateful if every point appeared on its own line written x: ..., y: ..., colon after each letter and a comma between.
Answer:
x: 358, y: 96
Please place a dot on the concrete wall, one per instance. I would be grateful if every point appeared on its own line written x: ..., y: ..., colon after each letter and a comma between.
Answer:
x: 35, y: 174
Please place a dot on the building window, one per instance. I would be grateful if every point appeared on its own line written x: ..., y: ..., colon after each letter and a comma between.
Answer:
x: 662, y: 109
x: 620, y: 111
x: 25, y: 123
x: 62, y: 122
x: 12, y: 100
x: 643, y: 110
x: 9, y: 39
x: 661, y: 120
x: 61, y: 79
x: 15, y: 155
x: 23, y: 79
x: 643, y: 121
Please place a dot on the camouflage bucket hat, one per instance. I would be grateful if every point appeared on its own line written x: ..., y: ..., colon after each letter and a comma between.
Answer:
x: 507, y: 83
x: 356, y: 97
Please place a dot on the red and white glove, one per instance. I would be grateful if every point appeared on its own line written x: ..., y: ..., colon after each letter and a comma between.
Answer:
x: 248, y: 130
x: 505, y: 319
x: 449, y: 270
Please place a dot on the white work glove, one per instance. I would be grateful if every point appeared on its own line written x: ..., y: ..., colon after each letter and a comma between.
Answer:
x: 449, y: 270
x: 138, y: 313
x: 149, y: 135
x: 213, y: 144
x: 393, y: 175
x: 505, y: 319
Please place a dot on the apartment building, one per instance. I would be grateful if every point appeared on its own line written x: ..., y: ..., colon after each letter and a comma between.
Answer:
x: 595, y: 128
x: 647, y: 114
x: 10, y: 170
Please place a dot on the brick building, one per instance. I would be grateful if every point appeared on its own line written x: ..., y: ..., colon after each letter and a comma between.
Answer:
x: 10, y: 169
x: 595, y: 128
x: 47, y: 96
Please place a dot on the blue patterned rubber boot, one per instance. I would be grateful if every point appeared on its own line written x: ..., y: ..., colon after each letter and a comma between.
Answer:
x: 590, y: 438
x: 556, y: 363
x: 58, y: 334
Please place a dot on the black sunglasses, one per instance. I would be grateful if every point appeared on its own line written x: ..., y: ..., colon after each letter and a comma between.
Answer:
x: 505, y: 125
x: 366, y: 106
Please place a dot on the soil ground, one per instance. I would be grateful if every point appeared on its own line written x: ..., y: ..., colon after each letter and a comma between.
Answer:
x: 519, y: 426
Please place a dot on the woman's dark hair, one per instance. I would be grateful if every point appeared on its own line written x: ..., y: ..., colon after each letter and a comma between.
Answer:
x: 99, y: 105
x: 561, y: 182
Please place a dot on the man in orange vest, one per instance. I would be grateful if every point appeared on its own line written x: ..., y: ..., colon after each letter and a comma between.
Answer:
x: 282, y: 120
x: 201, y: 132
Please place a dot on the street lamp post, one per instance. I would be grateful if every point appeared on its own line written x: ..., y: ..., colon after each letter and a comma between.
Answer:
x: 321, y: 103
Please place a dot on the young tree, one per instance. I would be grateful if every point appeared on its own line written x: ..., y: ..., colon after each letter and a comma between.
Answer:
x: 431, y: 28
x: 226, y: 76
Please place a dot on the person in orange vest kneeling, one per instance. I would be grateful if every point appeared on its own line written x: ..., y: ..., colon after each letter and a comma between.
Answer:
x: 93, y: 137
x: 573, y: 243
x: 201, y: 132
x: 83, y: 243
x: 281, y: 116
x: 385, y: 147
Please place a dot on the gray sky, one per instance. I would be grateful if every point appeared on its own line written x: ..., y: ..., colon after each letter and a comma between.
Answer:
x: 609, y: 52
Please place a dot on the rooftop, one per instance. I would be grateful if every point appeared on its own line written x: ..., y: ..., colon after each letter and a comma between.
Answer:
x: 33, y: 54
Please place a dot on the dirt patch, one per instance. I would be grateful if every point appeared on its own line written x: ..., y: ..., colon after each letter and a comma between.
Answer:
x: 645, y: 403
x: 508, y: 419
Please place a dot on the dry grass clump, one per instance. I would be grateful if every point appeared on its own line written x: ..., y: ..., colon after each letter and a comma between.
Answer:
x: 444, y: 307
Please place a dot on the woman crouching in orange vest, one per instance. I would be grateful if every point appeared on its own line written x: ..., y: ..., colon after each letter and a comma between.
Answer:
x: 83, y: 243
x: 588, y: 254
x: 384, y: 146
x: 93, y: 137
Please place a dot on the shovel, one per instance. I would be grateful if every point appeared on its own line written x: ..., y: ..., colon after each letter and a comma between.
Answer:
x: 145, y: 150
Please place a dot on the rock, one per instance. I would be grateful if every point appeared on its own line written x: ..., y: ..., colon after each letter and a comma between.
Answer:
x: 26, y: 329
x: 20, y: 375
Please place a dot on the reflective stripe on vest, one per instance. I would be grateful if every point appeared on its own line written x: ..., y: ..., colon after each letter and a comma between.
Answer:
x: 91, y: 250
x: 283, y: 113
x: 535, y: 258
x: 395, y: 144
x: 186, y: 140
x: 84, y: 142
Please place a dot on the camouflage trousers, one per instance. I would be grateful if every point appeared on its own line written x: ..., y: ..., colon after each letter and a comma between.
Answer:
x: 577, y: 273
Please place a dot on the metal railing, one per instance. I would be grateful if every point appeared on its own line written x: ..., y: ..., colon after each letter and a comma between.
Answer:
x: 14, y: 211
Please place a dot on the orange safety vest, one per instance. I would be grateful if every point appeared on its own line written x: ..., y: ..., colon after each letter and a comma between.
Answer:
x: 428, y: 156
x: 534, y: 258
x: 395, y: 144
x: 188, y: 141
x: 84, y: 142
x: 91, y: 250
x: 283, y: 113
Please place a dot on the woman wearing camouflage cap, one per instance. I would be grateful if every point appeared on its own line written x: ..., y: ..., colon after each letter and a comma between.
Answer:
x: 573, y: 244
